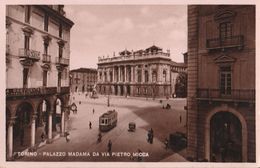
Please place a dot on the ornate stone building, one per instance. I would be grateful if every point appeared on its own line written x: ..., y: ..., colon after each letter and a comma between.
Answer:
x: 221, y: 83
x: 146, y: 73
x: 83, y: 80
x: 37, y: 74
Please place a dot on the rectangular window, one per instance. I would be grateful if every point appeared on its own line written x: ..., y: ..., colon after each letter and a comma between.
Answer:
x: 27, y: 14
x: 59, y: 79
x: 26, y: 42
x: 46, y: 22
x: 225, y: 80
x: 60, y: 31
x: 25, y: 77
x: 60, y: 51
x: 45, y: 74
x: 45, y: 49
x: 139, y: 76
x: 225, y: 30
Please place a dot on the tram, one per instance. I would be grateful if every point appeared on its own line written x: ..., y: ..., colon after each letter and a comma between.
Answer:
x: 108, y: 120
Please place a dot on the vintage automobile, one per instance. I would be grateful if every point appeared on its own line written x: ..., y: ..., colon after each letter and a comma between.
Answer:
x: 131, y: 127
x: 108, y: 120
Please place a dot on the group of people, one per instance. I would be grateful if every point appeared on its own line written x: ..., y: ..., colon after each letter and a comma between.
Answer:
x: 150, y: 136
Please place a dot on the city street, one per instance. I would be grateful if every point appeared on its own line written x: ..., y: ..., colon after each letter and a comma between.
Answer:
x: 145, y: 113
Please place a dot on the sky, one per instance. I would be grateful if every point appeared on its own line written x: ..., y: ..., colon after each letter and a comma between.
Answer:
x: 101, y: 30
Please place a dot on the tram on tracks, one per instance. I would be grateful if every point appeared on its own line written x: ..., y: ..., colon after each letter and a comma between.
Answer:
x: 108, y: 120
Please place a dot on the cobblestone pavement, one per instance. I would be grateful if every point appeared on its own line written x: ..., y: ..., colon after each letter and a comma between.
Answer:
x: 145, y: 113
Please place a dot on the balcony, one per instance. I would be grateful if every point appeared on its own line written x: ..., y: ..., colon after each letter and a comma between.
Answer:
x: 46, y: 58
x: 237, y: 95
x: 62, y: 61
x: 17, y: 92
x: 224, y: 43
x: 29, y: 54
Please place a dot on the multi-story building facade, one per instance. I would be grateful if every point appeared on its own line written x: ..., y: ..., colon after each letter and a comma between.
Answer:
x: 146, y: 73
x: 83, y: 80
x: 221, y: 83
x: 37, y: 74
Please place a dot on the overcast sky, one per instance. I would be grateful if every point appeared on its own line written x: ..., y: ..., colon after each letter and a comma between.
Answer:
x: 100, y: 30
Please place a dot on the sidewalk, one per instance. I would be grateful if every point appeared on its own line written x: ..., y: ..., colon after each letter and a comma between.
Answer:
x: 174, y: 158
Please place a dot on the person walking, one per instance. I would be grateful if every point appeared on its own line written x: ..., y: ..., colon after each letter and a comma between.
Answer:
x: 90, y: 125
x: 67, y: 136
x: 109, y: 146
x: 93, y: 110
x: 180, y: 118
x: 151, y: 137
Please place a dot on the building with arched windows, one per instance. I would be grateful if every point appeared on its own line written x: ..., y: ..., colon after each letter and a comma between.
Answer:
x: 145, y: 73
x: 221, y: 83
x: 83, y: 80
x: 37, y: 75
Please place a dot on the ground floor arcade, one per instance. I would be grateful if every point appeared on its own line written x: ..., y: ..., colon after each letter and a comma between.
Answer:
x: 32, y: 120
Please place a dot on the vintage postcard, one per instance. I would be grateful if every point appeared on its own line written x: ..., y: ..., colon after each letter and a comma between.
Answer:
x: 121, y: 84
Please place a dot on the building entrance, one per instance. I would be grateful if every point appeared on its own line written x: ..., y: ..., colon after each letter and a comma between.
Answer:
x: 225, y: 138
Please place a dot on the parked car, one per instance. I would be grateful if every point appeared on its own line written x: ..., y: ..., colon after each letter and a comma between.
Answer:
x: 131, y: 127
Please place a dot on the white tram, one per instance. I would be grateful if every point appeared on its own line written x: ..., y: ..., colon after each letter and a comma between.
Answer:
x: 108, y: 120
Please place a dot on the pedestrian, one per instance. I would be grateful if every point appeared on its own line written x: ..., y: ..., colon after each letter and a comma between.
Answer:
x: 149, y: 136
x: 43, y: 136
x: 166, y: 143
x: 93, y: 110
x: 67, y: 136
x: 90, y: 125
x: 109, y: 146
x: 180, y: 118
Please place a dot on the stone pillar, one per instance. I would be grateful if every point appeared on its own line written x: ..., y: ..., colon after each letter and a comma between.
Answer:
x: 150, y: 74
x: 192, y: 114
x: 63, y: 123
x: 33, y: 132
x: 50, y: 128
x: 119, y: 74
x: 10, y: 139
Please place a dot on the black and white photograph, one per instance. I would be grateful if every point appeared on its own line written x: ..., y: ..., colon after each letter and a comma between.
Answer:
x: 148, y: 83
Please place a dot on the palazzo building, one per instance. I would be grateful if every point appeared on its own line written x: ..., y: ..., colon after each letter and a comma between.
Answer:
x: 83, y: 80
x: 146, y: 73
x: 37, y: 75
x: 221, y: 83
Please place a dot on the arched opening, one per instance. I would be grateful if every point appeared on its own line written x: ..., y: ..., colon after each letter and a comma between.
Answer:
x: 42, y: 120
x: 83, y: 88
x: 121, y: 90
x: 128, y: 89
x: 225, y: 138
x: 56, y: 116
x: 164, y: 76
x: 115, y: 87
x: 22, y: 126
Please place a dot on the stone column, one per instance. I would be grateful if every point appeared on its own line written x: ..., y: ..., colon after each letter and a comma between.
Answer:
x: 33, y: 132
x: 10, y: 139
x: 119, y: 74
x: 50, y: 128
x: 113, y: 79
x: 63, y: 123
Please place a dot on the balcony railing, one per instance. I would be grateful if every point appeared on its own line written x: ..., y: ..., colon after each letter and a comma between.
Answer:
x: 46, y: 58
x: 26, y: 53
x: 62, y: 61
x: 235, y: 94
x: 227, y: 42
